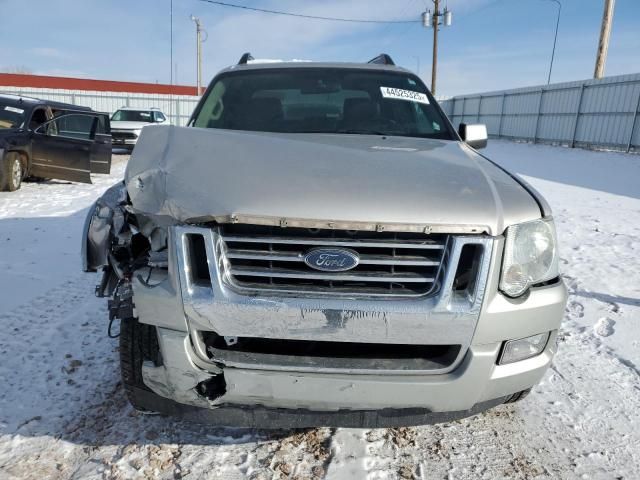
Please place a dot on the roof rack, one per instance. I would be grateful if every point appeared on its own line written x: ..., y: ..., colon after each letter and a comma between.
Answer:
x: 21, y: 98
x: 382, y: 59
x: 244, y: 59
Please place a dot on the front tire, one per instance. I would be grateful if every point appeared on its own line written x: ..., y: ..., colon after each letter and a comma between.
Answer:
x: 138, y: 343
x: 519, y: 396
x: 11, y: 172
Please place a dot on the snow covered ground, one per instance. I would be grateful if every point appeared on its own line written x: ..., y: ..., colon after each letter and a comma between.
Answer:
x: 63, y: 413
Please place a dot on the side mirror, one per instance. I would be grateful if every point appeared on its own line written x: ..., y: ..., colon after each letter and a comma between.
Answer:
x: 474, y: 134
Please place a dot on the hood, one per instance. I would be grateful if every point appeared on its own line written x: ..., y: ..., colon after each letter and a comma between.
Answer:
x: 116, y: 125
x: 9, y: 135
x: 6, y: 132
x: 196, y: 175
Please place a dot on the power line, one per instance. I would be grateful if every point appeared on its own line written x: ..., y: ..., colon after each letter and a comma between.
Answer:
x: 388, y: 28
x: 312, y: 17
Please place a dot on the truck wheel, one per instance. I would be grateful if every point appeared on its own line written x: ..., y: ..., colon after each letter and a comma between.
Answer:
x: 11, y: 172
x: 516, y: 397
x: 138, y: 342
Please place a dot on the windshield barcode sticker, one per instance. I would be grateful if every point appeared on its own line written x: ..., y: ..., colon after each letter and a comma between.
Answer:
x: 400, y: 94
x: 14, y: 110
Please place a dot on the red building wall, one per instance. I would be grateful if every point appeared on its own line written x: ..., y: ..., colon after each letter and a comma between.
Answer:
x: 66, y: 83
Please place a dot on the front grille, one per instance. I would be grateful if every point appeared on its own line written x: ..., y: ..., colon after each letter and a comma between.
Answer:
x: 320, y: 355
x: 125, y: 135
x: 256, y: 258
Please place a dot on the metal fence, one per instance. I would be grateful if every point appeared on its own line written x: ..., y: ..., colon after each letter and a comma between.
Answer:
x: 177, y: 107
x: 590, y: 114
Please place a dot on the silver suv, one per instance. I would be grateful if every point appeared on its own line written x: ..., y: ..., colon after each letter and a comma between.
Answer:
x: 127, y: 124
x: 321, y: 247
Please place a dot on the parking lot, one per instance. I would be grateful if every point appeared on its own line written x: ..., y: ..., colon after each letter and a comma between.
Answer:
x: 63, y: 413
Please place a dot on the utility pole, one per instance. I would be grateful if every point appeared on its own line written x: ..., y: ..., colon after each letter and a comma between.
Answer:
x: 434, y: 61
x: 199, y: 51
x: 433, y: 20
x: 605, y: 32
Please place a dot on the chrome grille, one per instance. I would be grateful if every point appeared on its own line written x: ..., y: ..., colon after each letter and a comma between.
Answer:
x: 123, y: 134
x: 257, y: 258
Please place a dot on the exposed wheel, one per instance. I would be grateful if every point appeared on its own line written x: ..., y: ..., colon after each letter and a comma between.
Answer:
x: 138, y: 342
x: 11, y: 172
x: 516, y: 397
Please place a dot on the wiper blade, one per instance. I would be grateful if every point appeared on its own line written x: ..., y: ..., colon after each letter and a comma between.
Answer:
x: 356, y: 131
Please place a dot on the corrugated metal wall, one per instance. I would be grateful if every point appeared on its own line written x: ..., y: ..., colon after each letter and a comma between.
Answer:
x: 591, y: 114
x: 177, y: 107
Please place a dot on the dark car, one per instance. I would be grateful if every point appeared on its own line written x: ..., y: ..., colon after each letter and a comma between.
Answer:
x: 47, y: 139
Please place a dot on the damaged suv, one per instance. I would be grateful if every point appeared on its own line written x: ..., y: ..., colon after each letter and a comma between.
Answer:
x: 319, y: 246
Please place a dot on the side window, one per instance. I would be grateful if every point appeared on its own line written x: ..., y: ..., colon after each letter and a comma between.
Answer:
x: 425, y: 124
x: 213, y: 108
x: 70, y: 126
x: 160, y: 117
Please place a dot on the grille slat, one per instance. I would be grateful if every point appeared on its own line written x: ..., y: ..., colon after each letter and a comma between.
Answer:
x: 350, y: 277
x: 267, y: 255
x: 337, y: 242
x: 259, y: 259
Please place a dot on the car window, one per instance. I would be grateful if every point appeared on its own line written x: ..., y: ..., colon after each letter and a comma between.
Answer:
x: 11, y: 115
x: 160, y: 117
x: 103, y: 125
x: 76, y: 126
x: 132, y: 116
x: 314, y: 100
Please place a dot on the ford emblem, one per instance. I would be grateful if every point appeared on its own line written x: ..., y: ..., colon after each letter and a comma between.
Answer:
x: 332, y: 259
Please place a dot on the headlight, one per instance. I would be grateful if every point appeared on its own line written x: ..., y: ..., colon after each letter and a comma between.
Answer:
x: 530, y: 256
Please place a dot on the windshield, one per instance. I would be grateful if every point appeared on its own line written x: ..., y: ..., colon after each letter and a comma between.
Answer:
x: 11, y: 116
x: 132, y: 116
x: 314, y: 100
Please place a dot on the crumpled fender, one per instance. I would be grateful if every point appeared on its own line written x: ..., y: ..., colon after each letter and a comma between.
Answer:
x: 104, y: 220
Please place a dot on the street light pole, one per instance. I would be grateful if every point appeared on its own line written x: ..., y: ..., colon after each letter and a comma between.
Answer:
x: 171, y: 40
x: 555, y: 39
x: 198, y: 52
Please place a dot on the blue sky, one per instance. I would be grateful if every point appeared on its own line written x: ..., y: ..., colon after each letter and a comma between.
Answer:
x: 492, y: 44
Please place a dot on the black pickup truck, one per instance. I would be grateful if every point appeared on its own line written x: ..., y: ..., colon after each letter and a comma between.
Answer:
x: 47, y: 139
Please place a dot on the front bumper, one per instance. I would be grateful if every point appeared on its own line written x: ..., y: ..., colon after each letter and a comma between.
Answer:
x: 473, y: 382
x: 476, y: 380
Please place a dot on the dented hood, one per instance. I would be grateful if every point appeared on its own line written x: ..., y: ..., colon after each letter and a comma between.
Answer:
x: 196, y: 175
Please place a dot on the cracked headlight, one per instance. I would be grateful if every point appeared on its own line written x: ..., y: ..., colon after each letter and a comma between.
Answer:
x: 530, y: 256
